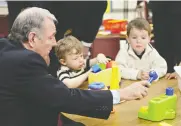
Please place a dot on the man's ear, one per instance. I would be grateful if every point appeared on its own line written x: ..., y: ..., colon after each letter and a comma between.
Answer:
x: 31, y: 39
x: 62, y: 61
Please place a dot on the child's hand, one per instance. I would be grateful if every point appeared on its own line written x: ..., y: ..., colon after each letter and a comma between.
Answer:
x: 171, y: 76
x: 143, y: 75
x: 101, y: 58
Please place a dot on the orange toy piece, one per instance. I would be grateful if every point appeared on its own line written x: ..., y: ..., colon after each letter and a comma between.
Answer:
x: 110, y: 64
x: 115, y: 26
x: 113, y: 111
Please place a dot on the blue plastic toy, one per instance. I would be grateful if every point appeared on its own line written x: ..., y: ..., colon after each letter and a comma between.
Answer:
x: 96, y: 68
x: 96, y: 86
x: 169, y: 91
x: 153, y: 76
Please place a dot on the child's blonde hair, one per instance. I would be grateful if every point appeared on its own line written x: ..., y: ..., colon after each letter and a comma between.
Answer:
x: 139, y: 23
x: 66, y: 45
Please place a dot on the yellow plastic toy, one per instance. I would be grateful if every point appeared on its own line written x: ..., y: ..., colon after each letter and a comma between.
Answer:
x: 160, y: 108
x: 115, y: 78
x: 164, y: 124
x: 105, y: 76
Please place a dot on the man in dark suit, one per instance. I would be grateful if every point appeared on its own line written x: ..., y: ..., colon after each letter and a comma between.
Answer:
x: 29, y: 95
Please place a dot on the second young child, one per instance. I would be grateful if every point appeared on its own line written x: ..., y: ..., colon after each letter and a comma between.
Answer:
x: 137, y: 57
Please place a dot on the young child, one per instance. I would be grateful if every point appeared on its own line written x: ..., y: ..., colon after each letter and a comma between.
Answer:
x: 74, y: 68
x: 137, y: 57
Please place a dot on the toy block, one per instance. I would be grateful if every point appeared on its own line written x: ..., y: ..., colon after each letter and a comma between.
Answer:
x: 96, y: 86
x: 96, y: 68
x: 102, y: 66
x: 110, y: 64
x: 113, y: 111
x: 153, y: 76
x: 104, y: 76
x: 160, y: 108
x: 164, y: 124
x: 115, y: 78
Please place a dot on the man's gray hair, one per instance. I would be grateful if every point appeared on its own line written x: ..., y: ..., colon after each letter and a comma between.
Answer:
x: 29, y: 20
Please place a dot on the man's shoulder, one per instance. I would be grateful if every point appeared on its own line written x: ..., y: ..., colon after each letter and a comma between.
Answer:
x: 22, y: 55
x: 28, y: 58
x: 16, y: 53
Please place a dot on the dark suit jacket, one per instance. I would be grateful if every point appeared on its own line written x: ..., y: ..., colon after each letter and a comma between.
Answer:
x: 29, y: 96
x: 166, y: 7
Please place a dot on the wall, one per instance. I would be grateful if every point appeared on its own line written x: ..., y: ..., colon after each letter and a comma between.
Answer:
x: 3, y: 8
x: 122, y: 9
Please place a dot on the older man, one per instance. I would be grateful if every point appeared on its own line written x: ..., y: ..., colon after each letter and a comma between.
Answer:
x: 29, y: 96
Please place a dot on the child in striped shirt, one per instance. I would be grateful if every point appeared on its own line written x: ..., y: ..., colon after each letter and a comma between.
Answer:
x: 74, y: 69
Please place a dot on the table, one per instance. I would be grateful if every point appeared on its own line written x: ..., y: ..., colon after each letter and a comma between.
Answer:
x: 121, y: 36
x: 126, y: 114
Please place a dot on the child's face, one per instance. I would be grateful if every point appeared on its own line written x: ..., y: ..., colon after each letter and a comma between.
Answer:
x: 138, y: 40
x: 74, y: 61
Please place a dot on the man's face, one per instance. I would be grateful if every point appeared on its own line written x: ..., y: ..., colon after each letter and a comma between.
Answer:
x: 46, y: 40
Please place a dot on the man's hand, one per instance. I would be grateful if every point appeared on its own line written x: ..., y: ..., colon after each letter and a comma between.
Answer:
x: 136, y: 90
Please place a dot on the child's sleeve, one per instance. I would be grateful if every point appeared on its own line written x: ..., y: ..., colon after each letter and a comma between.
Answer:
x: 159, y: 64
x: 61, y: 74
x: 126, y: 72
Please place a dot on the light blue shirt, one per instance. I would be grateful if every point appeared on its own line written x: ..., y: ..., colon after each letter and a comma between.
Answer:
x: 116, y: 96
